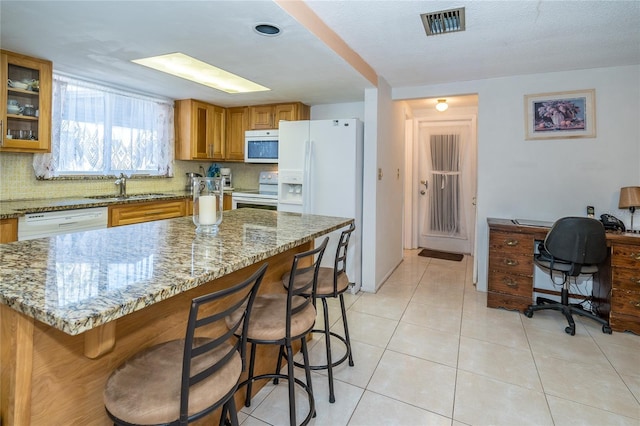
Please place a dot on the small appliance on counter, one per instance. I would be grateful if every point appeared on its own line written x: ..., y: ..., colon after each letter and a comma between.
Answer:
x: 225, y: 174
x: 189, y: 186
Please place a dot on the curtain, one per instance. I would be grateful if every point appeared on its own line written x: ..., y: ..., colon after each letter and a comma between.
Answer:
x: 444, y: 208
x: 98, y: 130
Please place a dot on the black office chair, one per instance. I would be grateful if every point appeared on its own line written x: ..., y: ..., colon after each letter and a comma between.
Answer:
x: 574, y: 246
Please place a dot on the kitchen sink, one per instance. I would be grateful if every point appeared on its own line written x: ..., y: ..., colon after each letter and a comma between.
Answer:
x: 129, y: 197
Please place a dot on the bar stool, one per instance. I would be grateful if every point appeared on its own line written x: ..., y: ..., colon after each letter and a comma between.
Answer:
x: 180, y: 381
x: 333, y: 282
x: 281, y: 319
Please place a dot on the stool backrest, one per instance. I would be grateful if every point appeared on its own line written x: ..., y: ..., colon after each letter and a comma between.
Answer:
x: 208, y: 330
x: 340, y: 263
x: 578, y: 240
x: 306, y: 283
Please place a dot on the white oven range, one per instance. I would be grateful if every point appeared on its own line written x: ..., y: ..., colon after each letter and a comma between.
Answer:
x: 265, y: 197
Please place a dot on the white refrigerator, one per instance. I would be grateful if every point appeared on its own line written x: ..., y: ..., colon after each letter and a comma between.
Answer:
x: 320, y: 172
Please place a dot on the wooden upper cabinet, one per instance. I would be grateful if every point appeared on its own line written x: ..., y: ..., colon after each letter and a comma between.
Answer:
x: 237, y: 123
x: 27, y: 81
x: 263, y: 117
x: 200, y: 130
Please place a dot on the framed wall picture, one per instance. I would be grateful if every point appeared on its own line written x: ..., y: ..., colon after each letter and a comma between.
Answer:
x: 560, y: 115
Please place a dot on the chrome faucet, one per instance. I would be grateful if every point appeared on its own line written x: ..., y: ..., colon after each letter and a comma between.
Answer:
x: 121, y: 183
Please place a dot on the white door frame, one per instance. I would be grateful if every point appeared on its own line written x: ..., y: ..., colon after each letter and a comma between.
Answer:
x: 412, y: 177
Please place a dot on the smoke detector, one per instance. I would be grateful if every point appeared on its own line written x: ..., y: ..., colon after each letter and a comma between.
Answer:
x: 443, y: 22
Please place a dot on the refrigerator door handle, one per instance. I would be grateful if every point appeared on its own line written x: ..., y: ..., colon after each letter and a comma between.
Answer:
x: 306, y: 182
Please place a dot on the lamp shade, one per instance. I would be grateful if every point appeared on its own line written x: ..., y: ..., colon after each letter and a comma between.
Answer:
x: 629, y: 197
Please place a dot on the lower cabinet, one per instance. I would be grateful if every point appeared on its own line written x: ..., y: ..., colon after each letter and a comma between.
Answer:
x: 625, y: 288
x: 8, y: 230
x: 510, y: 281
x: 127, y: 214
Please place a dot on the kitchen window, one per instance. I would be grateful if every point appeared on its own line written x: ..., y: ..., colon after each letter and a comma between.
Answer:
x: 102, y: 131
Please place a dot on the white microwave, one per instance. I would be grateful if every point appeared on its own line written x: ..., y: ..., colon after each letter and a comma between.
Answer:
x: 261, y: 146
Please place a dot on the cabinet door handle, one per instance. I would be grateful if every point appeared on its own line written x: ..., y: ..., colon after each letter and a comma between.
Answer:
x: 635, y: 304
x: 510, y: 262
x: 1, y: 133
x: 635, y: 256
x: 510, y: 282
x: 511, y: 243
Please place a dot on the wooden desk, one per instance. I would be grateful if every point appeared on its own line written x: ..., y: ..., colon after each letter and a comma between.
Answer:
x: 616, y: 288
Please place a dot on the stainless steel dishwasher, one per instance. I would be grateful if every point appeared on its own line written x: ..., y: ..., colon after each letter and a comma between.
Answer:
x: 47, y: 224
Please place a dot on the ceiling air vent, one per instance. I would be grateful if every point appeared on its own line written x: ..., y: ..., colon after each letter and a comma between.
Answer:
x: 446, y: 21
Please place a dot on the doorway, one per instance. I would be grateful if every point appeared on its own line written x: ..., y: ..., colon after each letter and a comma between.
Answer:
x: 441, y: 175
x: 446, y: 209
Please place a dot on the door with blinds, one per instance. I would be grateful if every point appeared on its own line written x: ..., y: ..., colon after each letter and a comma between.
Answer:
x: 447, y: 186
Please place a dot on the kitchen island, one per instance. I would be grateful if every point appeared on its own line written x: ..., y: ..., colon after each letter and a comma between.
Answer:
x: 74, y: 306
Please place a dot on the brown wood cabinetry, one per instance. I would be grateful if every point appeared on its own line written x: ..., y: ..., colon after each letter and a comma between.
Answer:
x: 127, y: 214
x: 22, y: 131
x: 8, y: 230
x: 510, y: 283
x: 200, y: 130
x: 237, y: 123
x: 263, y: 117
x: 625, y: 287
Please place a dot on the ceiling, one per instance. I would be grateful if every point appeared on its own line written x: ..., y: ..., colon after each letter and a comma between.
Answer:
x: 98, y: 39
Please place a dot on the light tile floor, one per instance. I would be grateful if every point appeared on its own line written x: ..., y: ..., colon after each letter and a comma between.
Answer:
x: 428, y: 351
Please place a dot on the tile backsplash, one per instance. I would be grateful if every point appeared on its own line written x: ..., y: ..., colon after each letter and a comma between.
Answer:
x: 18, y: 181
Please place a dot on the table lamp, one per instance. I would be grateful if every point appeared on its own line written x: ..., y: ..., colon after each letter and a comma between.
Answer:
x: 630, y: 199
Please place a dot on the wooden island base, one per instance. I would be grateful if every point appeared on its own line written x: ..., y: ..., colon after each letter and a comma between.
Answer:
x: 48, y: 377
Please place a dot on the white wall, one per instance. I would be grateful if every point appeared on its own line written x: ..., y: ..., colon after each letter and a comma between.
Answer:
x: 547, y: 179
x: 383, y: 198
x: 336, y: 111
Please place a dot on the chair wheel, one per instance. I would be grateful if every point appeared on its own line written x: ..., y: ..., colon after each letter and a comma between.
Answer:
x: 606, y: 329
x: 570, y: 330
x: 528, y: 312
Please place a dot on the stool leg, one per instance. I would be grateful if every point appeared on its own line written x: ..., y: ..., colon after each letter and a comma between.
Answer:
x: 252, y: 362
x: 346, y: 330
x: 279, y: 364
x: 307, y: 372
x: 292, y: 383
x: 327, y: 339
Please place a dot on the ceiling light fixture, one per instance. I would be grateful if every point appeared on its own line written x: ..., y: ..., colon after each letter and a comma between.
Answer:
x: 192, y: 69
x: 268, y: 30
x: 442, y: 105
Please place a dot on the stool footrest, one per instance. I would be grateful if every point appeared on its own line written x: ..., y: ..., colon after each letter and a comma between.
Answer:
x: 312, y: 407
x: 333, y: 364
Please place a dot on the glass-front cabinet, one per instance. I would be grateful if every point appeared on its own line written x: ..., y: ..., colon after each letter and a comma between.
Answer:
x: 25, y: 103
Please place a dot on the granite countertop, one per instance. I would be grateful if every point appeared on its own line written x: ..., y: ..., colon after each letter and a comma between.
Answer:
x: 16, y: 208
x: 79, y: 281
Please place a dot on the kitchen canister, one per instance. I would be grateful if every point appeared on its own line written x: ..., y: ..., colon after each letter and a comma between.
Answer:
x: 208, y: 193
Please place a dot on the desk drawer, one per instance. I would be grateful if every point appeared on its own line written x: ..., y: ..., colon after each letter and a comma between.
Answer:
x: 625, y: 255
x: 625, y: 302
x: 511, y: 263
x: 506, y: 301
x: 510, y: 242
x: 513, y: 284
x: 626, y: 279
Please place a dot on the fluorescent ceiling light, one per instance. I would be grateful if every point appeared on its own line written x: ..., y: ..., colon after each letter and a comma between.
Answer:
x: 189, y: 68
